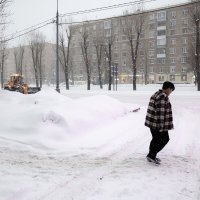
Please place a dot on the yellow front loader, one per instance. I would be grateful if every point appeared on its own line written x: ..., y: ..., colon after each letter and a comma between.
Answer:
x: 16, y: 84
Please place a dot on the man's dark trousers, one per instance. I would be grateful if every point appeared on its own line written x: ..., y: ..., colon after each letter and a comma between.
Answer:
x: 159, y: 140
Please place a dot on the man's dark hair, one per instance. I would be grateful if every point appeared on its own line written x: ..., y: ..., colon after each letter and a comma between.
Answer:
x: 167, y: 85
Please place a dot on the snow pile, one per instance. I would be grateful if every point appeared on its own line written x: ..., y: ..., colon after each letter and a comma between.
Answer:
x: 94, y: 148
x: 48, y: 117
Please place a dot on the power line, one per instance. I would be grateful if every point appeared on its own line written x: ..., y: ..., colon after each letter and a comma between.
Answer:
x: 101, y: 19
x: 106, y: 8
x: 14, y: 37
x: 32, y: 27
x: 52, y: 20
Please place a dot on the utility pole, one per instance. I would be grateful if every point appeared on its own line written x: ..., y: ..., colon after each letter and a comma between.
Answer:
x: 57, y: 41
x: 1, y: 68
x: 113, y: 73
x: 116, y: 74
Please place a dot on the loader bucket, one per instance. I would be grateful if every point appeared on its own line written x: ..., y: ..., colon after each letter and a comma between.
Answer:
x: 33, y: 90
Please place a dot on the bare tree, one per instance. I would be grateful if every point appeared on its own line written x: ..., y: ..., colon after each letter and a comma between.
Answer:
x: 71, y: 70
x: 85, y: 52
x: 4, y: 14
x: 65, y: 53
x: 192, y: 56
x: 132, y: 28
x: 19, y: 57
x: 3, y: 44
x: 4, y: 11
x: 3, y: 55
x: 145, y: 65
x: 99, y: 48
x: 109, y: 40
x: 195, y: 16
x: 36, y: 45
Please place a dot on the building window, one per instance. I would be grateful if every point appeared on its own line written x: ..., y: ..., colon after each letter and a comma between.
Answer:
x: 185, y: 30
x: 141, y: 44
x: 184, y: 50
x: 124, y: 37
x: 108, y: 33
x: 151, y: 61
x: 161, y: 61
x: 107, y: 24
x: 141, y: 70
x: 152, y: 26
x: 153, y: 16
x: 185, y: 22
x: 94, y: 27
x: 124, y: 54
x: 161, y: 78
x: 162, y: 23
x: 124, y: 63
x: 184, y: 69
x: 151, y: 53
x: 184, y: 78
x: 142, y: 52
x: 115, y: 31
x: 184, y: 60
x: 161, y: 16
x: 115, y: 55
x: 173, y: 14
x: 141, y: 35
x: 184, y: 40
x: 151, y: 44
x: 193, y: 30
x: 115, y: 23
x: 152, y: 34
x: 172, y: 69
x: 124, y: 46
x: 123, y: 22
x: 172, y: 50
x: 161, y: 32
x: 185, y: 12
x: 161, y: 51
x: 142, y: 28
x: 133, y: 28
x: 172, y: 32
x: 94, y: 56
x: 172, y: 60
x: 124, y: 30
x: 173, y: 41
x: 151, y: 69
x: 161, y: 41
x: 141, y: 65
x: 172, y: 78
x: 172, y: 23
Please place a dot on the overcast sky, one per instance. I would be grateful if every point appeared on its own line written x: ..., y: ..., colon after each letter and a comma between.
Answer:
x: 26, y: 13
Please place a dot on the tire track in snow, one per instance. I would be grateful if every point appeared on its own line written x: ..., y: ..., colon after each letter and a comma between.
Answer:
x: 93, y: 177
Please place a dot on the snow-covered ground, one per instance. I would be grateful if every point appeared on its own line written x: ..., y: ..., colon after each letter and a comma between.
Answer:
x: 87, y: 145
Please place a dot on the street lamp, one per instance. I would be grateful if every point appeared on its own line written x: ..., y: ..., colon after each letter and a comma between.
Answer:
x: 57, y: 60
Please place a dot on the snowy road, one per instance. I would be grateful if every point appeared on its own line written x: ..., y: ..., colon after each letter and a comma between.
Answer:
x: 105, y: 161
x: 50, y: 176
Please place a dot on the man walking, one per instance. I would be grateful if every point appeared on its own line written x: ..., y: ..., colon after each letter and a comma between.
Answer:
x: 159, y: 119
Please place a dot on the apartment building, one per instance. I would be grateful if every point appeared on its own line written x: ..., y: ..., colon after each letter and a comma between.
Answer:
x: 165, y: 46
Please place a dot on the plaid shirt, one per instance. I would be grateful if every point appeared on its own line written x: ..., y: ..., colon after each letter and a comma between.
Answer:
x: 159, y: 112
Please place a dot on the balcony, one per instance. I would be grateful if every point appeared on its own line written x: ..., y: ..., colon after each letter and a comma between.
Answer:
x: 161, y: 28
x: 163, y: 55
